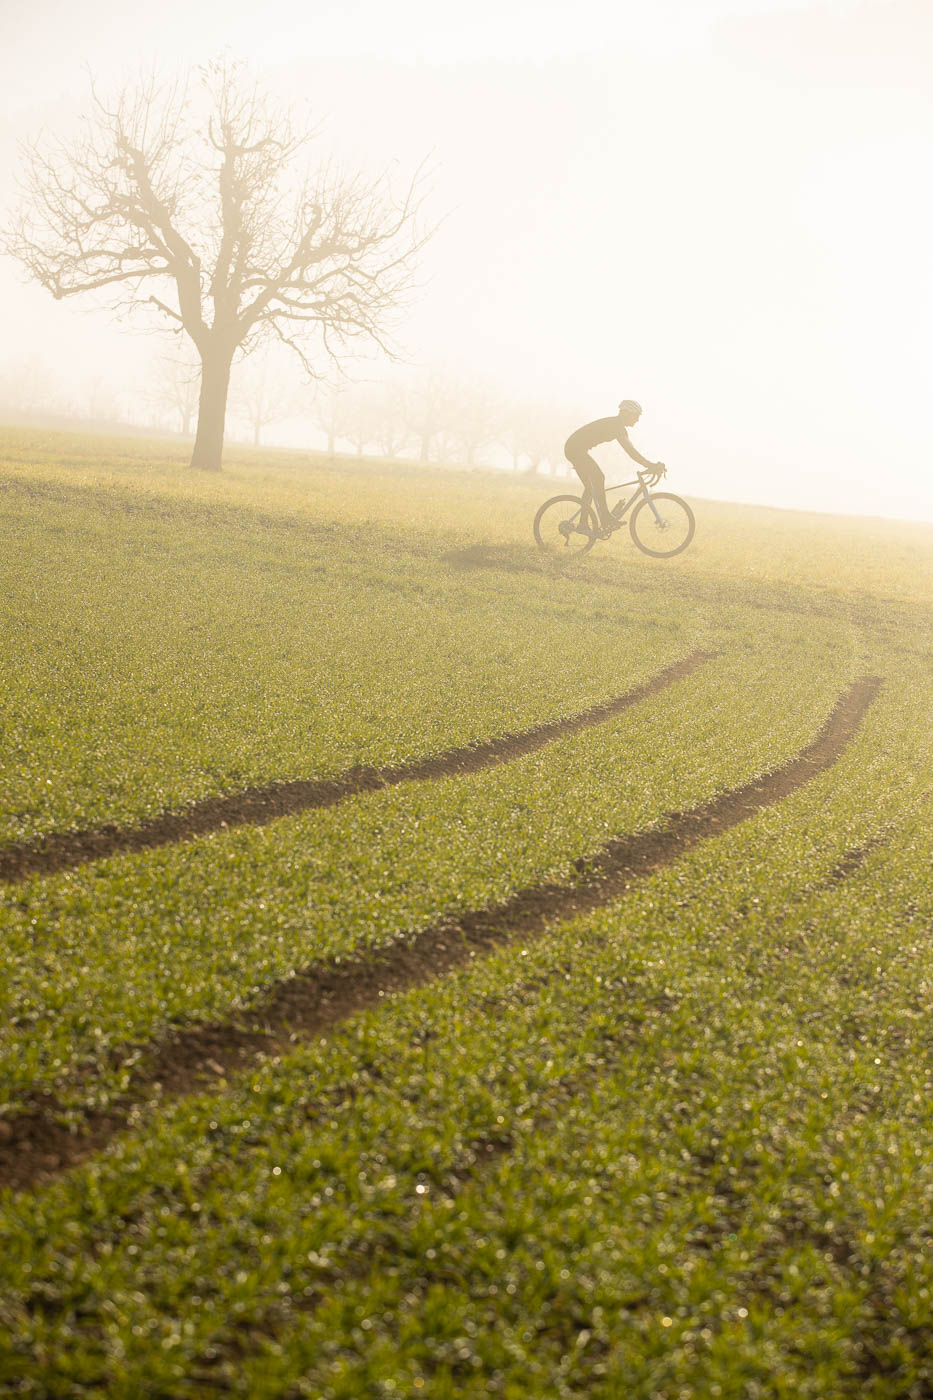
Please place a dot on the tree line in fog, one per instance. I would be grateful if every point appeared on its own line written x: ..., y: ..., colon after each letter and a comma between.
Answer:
x: 434, y: 417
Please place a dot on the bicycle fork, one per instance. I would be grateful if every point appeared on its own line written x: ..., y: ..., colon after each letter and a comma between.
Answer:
x: 650, y: 499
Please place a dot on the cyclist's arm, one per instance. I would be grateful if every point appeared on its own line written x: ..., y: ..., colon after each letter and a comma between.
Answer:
x: 633, y: 452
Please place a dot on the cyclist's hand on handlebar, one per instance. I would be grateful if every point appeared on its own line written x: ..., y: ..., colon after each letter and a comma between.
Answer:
x: 660, y: 469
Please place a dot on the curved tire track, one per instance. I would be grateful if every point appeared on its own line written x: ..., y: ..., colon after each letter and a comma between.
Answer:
x: 257, y: 806
x: 35, y: 1144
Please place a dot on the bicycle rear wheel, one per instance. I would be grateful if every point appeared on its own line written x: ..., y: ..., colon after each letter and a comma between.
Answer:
x: 666, y: 533
x: 565, y: 527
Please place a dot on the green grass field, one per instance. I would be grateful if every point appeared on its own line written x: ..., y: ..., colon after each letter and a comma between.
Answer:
x: 566, y: 1032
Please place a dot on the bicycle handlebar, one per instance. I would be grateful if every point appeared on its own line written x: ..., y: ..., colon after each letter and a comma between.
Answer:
x: 645, y: 477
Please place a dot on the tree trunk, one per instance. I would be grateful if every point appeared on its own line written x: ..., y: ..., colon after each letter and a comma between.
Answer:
x: 212, y: 410
x: 257, y: 429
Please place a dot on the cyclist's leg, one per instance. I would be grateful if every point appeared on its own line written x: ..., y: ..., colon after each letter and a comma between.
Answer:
x: 594, y: 483
x: 586, y: 498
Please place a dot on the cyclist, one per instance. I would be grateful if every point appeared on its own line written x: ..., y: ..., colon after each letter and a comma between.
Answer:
x: 577, y: 452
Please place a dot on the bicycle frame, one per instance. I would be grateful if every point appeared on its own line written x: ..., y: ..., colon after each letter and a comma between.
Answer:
x: 643, y: 493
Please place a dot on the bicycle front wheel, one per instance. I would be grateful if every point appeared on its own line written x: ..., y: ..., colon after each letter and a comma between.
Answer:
x: 664, y: 531
x: 565, y: 527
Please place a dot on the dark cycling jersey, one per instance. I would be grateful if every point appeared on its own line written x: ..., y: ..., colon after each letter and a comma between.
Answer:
x: 602, y: 430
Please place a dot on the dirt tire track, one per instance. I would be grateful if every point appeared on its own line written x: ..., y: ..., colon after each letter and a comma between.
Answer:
x: 851, y: 861
x: 35, y: 1145
x: 257, y: 806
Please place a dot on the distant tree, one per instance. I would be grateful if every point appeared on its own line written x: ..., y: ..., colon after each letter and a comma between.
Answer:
x: 347, y: 413
x: 175, y: 388
x: 209, y: 223
x: 476, y: 420
x: 262, y: 395
x: 28, y: 387
x: 99, y: 401
x: 391, y: 434
x: 328, y: 411
x: 360, y: 421
x: 532, y: 437
x: 428, y: 407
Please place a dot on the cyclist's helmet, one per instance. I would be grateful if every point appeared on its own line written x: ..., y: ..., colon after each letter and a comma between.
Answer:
x: 629, y: 406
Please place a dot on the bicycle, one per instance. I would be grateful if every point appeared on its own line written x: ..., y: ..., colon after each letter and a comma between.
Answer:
x: 661, y: 524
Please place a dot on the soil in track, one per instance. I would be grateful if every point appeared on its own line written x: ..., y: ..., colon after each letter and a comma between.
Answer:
x: 36, y: 1145
x: 853, y: 860
x: 257, y: 806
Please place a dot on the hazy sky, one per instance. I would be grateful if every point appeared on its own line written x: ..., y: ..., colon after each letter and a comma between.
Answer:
x: 722, y: 209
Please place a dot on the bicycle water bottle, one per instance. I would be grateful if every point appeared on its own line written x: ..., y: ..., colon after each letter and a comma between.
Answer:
x: 617, y: 509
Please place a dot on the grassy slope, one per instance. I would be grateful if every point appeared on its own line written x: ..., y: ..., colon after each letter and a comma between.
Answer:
x: 677, y: 1146
x: 155, y: 657
x: 322, y: 884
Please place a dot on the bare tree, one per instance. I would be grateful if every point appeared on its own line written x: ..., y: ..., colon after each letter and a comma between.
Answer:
x: 262, y: 395
x: 476, y: 421
x: 360, y: 417
x: 328, y: 411
x: 390, y: 432
x: 429, y: 407
x: 210, y: 223
x: 28, y: 388
x: 175, y: 388
x: 532, y: 436
x: 381, y: 412
x: 346, y: 413
x: 99, y: 400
